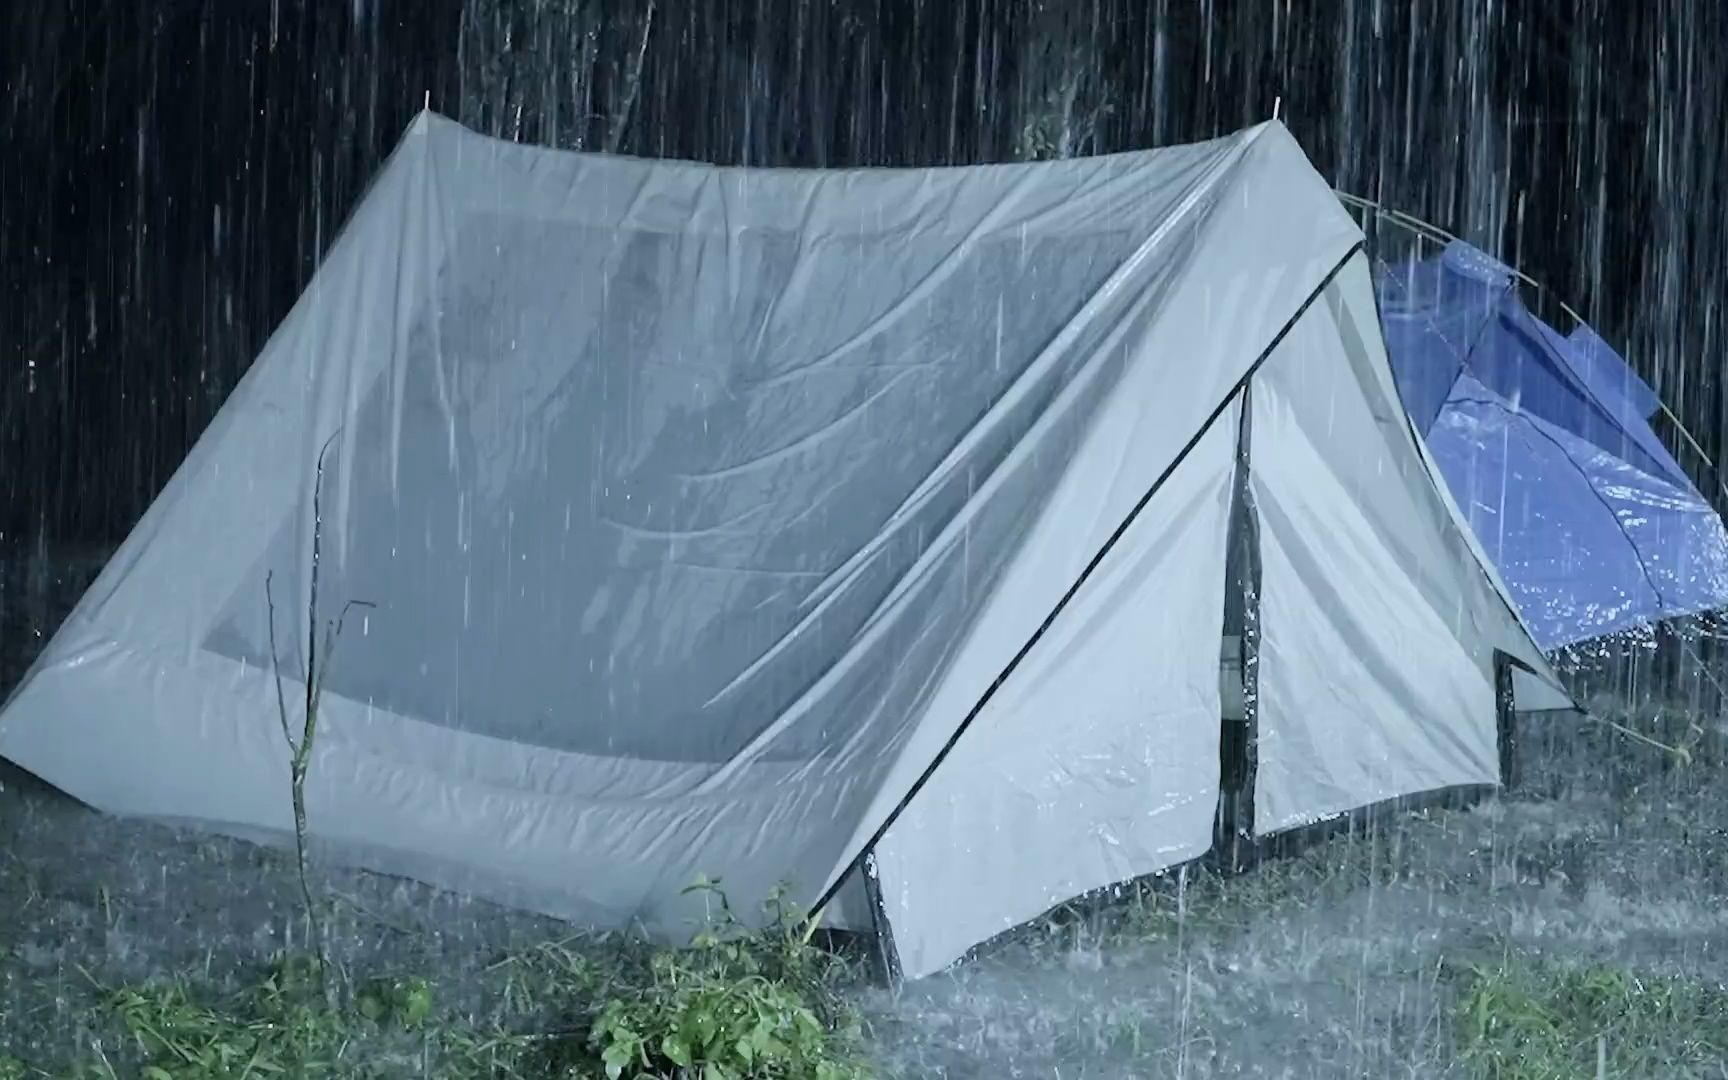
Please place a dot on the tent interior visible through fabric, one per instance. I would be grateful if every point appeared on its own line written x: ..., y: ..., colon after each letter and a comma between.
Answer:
x: 1546, y: 443
x: 875, y: 532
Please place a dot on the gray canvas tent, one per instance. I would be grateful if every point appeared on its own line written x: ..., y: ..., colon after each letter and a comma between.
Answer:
x: 746, y: 522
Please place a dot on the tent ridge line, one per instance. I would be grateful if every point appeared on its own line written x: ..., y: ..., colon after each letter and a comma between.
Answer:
x: 1097, y: 559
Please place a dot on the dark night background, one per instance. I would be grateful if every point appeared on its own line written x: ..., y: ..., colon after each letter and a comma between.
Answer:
x: 172, y: 170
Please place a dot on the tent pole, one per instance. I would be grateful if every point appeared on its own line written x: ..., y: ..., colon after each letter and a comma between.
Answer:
x: 1690, y: 441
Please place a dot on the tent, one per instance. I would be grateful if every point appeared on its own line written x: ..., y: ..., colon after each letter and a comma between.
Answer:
x: 862, y: 531
x: 1546, y: 444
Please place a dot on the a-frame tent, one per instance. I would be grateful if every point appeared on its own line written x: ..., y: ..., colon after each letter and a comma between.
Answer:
x: 745, y: 522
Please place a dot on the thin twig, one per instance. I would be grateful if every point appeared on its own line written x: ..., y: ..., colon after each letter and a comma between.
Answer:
x: 312, y: 595
x: 276, y: 669
x: 300, y: 753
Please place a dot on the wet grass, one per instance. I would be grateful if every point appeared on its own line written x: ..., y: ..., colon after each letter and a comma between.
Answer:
x: 735, y: 1003
x: 1359, y: 956
x: 1526, y: 1018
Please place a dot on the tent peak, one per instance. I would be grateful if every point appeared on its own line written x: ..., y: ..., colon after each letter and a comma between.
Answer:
x: 426, y: 117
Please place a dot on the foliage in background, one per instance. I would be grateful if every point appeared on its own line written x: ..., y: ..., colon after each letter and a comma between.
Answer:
x: 563, y: 73
x: 1062, y: 101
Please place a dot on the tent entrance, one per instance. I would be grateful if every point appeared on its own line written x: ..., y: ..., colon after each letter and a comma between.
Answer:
x: 1291, y: 609
x: 1238, y: 658
x: 1237, y: 843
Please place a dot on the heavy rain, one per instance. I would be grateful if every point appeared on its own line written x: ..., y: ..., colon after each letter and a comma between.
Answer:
x: 838, y: 538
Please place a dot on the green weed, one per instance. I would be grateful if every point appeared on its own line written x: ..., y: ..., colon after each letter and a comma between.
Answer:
x: 736, y: 1002
x: 1531, y: 1020
x: 281, y: 1027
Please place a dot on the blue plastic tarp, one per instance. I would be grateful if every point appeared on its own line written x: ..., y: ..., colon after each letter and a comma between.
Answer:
x: 1545, y: 441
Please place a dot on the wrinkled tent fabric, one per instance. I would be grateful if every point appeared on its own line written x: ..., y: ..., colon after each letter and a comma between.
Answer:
x: 1545, y: 440
x: 734, y: 522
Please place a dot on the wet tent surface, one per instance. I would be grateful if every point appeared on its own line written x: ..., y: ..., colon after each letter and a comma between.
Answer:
x: 1546, y: 444
x: 1339, y: 961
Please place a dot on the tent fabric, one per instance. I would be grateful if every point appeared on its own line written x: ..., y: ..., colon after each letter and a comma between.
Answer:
x: 1545, y: 441
x: 729, y: 522
x: 1246, y: 273
x: 1362, y: 569
x: 1054, y: 795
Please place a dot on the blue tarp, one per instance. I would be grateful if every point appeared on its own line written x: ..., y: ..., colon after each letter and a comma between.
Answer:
x: 1546, y: 444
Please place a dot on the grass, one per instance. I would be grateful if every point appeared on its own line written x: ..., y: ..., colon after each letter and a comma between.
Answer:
x: 739, y: 1003
x: 1199, y: 901
x: 1381, y: 934
x: 1531, y: 1019
x: 736, y: 1002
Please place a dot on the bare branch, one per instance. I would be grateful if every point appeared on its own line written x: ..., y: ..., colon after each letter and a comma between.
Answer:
x: 333, y: 633
x: 312, y: 596
x: 276, y: 669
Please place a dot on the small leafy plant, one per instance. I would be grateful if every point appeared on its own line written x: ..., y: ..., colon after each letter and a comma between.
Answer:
x: 405, y: 1002
x: 279, y: 1028
x: 738, y: 1003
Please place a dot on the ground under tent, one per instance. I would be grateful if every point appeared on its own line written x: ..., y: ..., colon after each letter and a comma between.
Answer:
x: 770, y: 525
